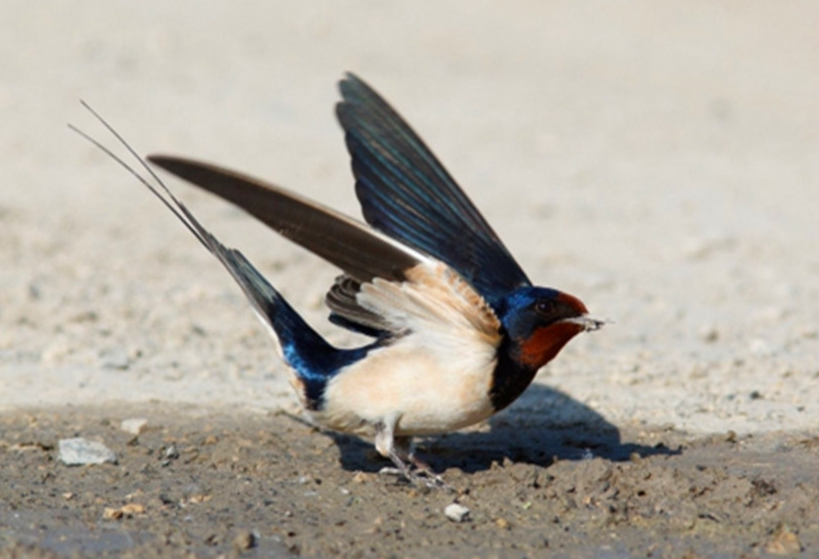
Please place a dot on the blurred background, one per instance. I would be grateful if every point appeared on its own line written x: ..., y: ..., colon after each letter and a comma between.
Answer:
x: 659, y: 160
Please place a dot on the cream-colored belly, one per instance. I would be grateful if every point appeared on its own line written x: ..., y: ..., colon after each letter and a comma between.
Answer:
x: 421, y: 390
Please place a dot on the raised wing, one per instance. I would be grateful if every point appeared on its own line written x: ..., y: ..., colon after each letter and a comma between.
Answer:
x: 360, y: 251
x: 406, y: 193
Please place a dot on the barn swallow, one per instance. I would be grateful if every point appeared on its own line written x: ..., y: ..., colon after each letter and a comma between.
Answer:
x: 457, y: 329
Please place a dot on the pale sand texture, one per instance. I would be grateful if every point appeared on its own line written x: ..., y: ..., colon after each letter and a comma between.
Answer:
x: 659, y: 160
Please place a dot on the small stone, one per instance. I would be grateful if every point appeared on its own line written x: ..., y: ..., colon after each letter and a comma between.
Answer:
x: 133, y: 508
x: 168, y: 454
x: 360, y: 477
x: 783, y: 542
x: 456, y: 512
x: 244, y: 540
x: 134, y: 425
x: 126, y: 511
x: 79, y: 451
x: 199, y: 498
x: 112, y: 513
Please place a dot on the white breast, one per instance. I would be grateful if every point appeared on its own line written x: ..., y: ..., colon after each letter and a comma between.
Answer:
x: 434, y: 379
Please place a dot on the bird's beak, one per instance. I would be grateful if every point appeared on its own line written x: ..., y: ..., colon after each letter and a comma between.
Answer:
x: 587, y: 323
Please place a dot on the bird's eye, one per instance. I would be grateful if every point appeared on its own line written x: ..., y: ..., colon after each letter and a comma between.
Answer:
x: 543, y: 306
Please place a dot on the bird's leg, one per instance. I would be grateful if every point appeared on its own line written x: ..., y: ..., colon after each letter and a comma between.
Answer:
x: 386, y: 447
x: 400, y: 450
x: 421, y: 467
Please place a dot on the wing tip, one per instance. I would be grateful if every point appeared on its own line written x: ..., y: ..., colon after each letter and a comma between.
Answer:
x: 167, y: 162
x: 355, y: 90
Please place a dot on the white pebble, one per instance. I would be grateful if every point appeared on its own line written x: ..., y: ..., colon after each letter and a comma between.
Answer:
x: 134, y: 425
x: 79, y: 451
x: 456, y: 512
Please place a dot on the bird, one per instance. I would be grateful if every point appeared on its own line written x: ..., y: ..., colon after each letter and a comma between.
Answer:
x: 455, y: 329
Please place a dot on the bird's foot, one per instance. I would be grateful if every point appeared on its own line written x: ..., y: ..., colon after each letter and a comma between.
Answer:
x: 430, y: 477
x: 417, y: 472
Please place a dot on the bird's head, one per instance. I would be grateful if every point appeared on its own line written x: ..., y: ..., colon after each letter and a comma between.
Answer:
x: 539, y: 321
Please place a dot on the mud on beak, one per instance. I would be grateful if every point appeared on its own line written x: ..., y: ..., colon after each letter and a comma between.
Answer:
x: 587, y: 323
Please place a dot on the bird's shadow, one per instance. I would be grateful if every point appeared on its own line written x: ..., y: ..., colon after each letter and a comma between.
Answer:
x: 542, y: 426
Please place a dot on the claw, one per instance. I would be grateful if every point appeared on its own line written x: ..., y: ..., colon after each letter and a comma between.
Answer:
x: 417, y: 472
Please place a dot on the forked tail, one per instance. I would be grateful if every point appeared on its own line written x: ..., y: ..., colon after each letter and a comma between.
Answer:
x: 312, y: 359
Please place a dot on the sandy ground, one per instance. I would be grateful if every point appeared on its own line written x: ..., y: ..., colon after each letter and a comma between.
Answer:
x: 209, y: 484
x: 659, y: 161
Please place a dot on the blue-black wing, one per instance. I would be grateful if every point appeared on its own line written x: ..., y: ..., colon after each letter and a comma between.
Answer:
x: 407, y: 194
x: 349, y: 244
